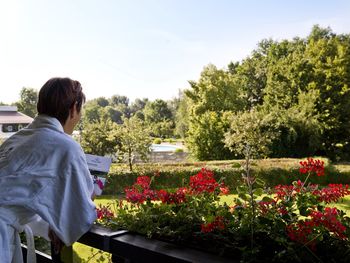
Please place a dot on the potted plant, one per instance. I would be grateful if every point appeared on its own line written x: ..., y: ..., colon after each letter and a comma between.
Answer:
x: 289, y: 223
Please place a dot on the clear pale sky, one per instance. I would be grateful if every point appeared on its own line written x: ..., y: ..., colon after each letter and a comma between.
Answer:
x: 145, y: 48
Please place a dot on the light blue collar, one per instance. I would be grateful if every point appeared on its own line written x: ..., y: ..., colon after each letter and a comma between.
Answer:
x: 45, y: 121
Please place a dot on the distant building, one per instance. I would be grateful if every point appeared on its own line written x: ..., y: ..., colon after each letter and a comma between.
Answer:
x: 12, y: 121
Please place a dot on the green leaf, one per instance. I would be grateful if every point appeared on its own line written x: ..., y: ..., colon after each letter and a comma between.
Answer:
x: 258, y: 191
x: 303, y: 211
x: 244, y: 196
x: 267, y: 199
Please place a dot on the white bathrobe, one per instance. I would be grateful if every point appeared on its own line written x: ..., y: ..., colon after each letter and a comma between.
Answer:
x: 43, y: 172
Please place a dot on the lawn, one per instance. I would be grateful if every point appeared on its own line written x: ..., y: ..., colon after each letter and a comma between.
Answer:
x: 86, y: 254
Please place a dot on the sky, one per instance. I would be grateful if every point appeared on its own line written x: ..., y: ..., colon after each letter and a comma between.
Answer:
x: 143, y: 48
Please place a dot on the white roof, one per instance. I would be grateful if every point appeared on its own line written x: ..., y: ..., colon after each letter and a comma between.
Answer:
x: 10, y: 115
x: 8, y: 108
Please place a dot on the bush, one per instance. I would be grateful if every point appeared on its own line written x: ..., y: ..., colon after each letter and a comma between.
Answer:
x: 272, y: 172
x: 157, y: 141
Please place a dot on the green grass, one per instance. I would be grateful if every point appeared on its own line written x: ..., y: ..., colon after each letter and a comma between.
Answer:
x: 343, y: 205
x: 85, y: 254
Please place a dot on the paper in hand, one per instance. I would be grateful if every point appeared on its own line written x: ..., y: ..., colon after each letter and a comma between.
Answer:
x: 99, y: 166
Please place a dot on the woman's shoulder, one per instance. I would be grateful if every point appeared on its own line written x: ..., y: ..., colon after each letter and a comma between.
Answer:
x: 69, y: 143
x: 54, y: 141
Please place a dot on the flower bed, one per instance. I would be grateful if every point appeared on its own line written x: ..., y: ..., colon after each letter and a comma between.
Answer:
x: 289, y: 223
x: 273, y: 172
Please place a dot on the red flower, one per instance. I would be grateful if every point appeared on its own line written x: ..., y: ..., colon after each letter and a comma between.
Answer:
x: 133, y: 195
x: 217, y: 224
x: 143, y: 181
x: 224, y: 190
x: 163, y: 195
x: 207, y: 228
x: 311, y: 165
x: 304, y: 231
x: 140, y: 191
x: 203, y: 182
x: 329, y: 220
x: 104, y: 213
x: 284, y: 190
x: 332, y: 193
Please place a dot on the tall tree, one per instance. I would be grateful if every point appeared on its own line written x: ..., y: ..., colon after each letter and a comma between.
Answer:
x: 99, y: 137
x: 92, y: 111
x: 206, y: 135
x: 182, y: 116
x: 102, y: 101
x: 250, y: 132
x: 330, y: 55
x: 28, y: 101
x: 215, y: 93
x: 138, y: 105
x: 159, y: 117
x: 134, y: 140
x: 119, y: 99
x: 216, y: 90
x: 111, y: 113
x: 251, y: 75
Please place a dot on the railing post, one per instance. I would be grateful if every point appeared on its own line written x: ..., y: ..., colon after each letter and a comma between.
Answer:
x: 119, y: 259
x: 65, y: 256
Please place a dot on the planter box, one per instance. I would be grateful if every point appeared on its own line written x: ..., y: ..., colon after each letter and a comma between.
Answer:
x: 129, y: 247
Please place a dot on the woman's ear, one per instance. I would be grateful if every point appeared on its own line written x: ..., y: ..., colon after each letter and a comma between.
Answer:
x: 73, y: 111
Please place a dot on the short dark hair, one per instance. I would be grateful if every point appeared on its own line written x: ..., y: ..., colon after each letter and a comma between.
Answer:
x: 58, y: 96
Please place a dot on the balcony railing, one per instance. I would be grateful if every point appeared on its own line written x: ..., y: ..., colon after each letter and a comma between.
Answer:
x: 131, y: 248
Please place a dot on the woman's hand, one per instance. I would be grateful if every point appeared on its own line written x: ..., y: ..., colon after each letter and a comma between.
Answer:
x: 56, y: 241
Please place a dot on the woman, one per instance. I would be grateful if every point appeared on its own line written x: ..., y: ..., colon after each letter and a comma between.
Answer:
x: 44, y: 178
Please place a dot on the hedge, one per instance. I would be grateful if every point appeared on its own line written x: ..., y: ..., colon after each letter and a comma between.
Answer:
x: 272, y: 172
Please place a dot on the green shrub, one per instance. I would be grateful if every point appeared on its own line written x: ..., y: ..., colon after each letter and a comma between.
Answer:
x: 169, y: 175
x: 236, y: 165
x: 179, y: 150
x: 157, y: 141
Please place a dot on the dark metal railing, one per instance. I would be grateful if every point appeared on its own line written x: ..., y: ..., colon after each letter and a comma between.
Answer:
x: 131, y: 248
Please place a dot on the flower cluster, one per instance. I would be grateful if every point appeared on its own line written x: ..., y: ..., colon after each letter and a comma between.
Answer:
x: 284, y: 190
x: 306, y: 231
x: 173, y: 198
x: 332, y: 193
x: 143, y: 181
x: 103, y: 212
x: 204, y: 181
x: 140, y: 191
x: 312, y: 166
x: 217, y: 224
x: 329, y: 220
x: 265, y: 206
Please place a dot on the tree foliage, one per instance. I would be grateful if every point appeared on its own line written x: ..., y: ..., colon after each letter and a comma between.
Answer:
x: 134, y: 140
x: 99, y: 137
x: 303, y: 83
x: 205, y: 136
x: 216, y: 91
x: 252, y: 131
x: 182, y: 116
x: 159, y: 118
x: 296, y: 91
x: 28, y: 101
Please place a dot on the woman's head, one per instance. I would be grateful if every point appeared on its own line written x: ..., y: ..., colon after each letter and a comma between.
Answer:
x: 58, y: 96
